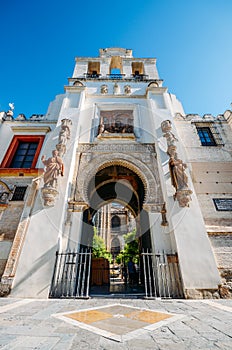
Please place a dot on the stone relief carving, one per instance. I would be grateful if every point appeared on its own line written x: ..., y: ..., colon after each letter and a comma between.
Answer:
x: 127, y: 89
x: 104, y: 89
x: 177, y: 167
x: 147, y: 172
x: 133, y: 148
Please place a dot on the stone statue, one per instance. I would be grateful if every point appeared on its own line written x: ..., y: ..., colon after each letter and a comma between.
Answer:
x: 64, y: 135
x: 170, y: 137
x: 176, y: 166
x: 177, y: 172
x: 54, y: 167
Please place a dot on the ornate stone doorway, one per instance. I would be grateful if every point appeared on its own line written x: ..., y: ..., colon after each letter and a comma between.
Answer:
x: 119, y: 188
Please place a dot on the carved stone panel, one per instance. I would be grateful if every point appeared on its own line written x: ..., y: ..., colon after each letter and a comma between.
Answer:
x: 139, y: 158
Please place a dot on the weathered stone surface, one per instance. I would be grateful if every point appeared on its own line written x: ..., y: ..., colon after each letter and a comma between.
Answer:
x: 193, y: 294
x: 4, y: 289
x: 224, y: 292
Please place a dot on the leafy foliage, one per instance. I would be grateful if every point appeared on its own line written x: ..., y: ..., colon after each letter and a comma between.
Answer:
x: 99, y: 248
x: 131, y: 248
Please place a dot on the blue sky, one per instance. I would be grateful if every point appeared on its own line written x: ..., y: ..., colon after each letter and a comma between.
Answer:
x: 192, y: 41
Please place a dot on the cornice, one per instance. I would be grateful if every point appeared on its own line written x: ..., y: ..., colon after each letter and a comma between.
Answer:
x: 30, y: 129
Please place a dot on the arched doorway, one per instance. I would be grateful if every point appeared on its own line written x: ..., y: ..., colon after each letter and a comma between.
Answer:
x: 124, y: 183
x: 116, y: 184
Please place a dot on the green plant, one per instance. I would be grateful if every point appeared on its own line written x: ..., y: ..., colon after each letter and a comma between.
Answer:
x: 99, y: 248
x: 131, y: 248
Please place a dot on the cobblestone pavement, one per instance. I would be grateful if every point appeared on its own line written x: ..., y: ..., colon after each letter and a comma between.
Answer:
x: 33, y: 324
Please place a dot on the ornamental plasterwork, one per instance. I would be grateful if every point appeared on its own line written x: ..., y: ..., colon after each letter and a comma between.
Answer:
x: 134, y: 148
x: 148, y: 172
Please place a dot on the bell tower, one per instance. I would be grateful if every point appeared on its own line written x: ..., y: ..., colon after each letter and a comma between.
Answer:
x: 116, y: 140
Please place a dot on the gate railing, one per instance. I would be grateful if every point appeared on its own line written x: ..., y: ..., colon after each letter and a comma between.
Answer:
x: 162, y: 275
x: 71, y: 276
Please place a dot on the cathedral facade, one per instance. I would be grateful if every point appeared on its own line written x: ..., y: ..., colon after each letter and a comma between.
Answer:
x: 115, y: 139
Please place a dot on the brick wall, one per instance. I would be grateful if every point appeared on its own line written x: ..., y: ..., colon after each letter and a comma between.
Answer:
x: 222, y: 247
x: 8, y: 226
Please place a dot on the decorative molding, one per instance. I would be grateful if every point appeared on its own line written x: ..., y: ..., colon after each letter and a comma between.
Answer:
x: 115, y: 136
x: 30, y: 129
x: 77, y: 206
x: 183, y: 197
x: 49, y: 195
x: 9, y: 172
x: 119, y: 147
x: 96, y: 157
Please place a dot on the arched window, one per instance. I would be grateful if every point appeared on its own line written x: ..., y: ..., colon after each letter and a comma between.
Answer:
x: 115, y: 221
x: 115, y: 246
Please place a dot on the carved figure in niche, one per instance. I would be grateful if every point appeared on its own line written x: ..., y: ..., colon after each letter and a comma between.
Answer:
x: 177, y: 171
x: 64, y: 135
x: 54, y: 167
x: 127, y: 89
x: 104, y: 89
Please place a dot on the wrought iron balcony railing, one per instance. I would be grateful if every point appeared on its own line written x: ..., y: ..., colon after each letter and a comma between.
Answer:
x: 140, y: 77
x: 116, y: 76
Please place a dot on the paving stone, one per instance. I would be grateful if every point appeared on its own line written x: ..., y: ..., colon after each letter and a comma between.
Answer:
x: 31, y: 325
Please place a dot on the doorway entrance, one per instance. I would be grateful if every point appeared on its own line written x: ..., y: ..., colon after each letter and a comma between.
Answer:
x: 115, y: 254
x: 115, y: 231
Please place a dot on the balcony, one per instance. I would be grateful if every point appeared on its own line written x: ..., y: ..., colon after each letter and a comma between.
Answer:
x: 140, y: 77
x: 116, y: 76
x: 92, y: 75
x: 120, y: 77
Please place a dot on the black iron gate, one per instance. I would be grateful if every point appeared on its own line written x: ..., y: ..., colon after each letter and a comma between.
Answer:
x: 159, y: 274
x: 162, y: 275
x: 71, y: 275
